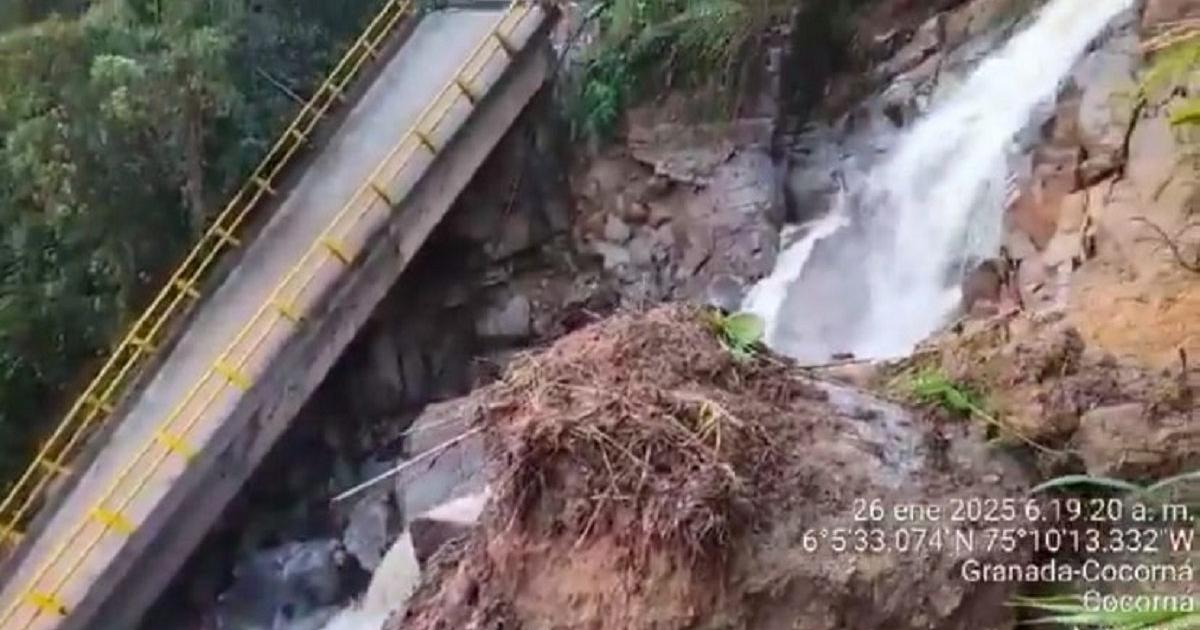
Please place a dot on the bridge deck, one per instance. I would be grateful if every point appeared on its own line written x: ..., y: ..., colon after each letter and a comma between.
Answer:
x: 47, y: 578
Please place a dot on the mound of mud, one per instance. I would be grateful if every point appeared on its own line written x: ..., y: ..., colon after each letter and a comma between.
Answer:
x: 642, y: 477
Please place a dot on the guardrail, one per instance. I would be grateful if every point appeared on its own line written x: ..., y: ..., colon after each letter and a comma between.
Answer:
x: 99, y: 398
x: 248, y: 355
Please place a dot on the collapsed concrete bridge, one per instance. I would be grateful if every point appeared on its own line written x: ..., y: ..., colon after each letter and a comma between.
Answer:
x: 208, y: 380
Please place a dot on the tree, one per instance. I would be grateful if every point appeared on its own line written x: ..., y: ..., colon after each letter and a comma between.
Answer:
x: 122, y: 129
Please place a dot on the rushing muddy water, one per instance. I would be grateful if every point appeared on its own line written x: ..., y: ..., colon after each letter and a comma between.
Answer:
x: 883, y: 270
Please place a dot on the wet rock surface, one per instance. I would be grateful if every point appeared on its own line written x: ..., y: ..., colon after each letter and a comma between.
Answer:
x: 370, y: 529
x: 290, y: 586
x: 680, y: 207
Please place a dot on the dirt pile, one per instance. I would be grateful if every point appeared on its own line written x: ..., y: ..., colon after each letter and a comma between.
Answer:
x: 645, y: 478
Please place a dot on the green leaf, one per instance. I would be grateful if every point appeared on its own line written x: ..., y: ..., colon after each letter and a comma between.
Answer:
x: 1186, y: 113
x: 1171, y: 481
x: 1068, y: 481
x: 744, y: 329
x: 1070, y: 610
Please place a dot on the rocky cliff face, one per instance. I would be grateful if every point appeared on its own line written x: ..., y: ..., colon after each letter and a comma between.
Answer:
x: 1111, y: 178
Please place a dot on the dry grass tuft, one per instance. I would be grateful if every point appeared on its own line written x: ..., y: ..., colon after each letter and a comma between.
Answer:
x: 644, y: 427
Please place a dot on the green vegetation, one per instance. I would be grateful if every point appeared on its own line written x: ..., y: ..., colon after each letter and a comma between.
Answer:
x: 1169, y: 613
x: 1106, y: 483
x: 739, y: 333
x: 124, y: 127
x: 646, y: 45
x: 1173, y: 67
x: 1071, y: 611
x: 933, y: 386
x: 15, y: 13
x: 1166, y: 82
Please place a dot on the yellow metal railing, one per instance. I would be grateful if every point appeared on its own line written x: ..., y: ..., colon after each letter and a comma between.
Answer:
x: 243, y: 360
x: 182, y: 289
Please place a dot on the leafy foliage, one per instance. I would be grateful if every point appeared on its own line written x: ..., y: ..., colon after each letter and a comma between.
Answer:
x: 1071, y: 611
x: 1170, y: 489
x: 740, y: 333
x: 123, y: 127
x: 931, y: 385
x: 1169, y: 82
x: 935, y: 387
x: 15, y: 13
x: 652, y: 43
x: 1173, y: 67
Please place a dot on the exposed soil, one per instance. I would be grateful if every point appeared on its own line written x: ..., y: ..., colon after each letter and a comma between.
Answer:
x: 1077, y: 405
x: 645, y: 478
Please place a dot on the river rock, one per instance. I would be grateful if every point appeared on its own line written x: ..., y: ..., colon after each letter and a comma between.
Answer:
x: 275, y: 588
x: 616, y: 230
x: 614, y: 256
x: 899, y: 102
x: 507, y: 318
x: 370, y: 528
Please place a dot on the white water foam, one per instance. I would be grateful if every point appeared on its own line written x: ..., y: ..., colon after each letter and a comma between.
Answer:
x: 884, y: 271
x: 391, y: 586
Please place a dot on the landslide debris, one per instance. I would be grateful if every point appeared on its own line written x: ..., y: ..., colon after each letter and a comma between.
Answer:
x: 644, y: 477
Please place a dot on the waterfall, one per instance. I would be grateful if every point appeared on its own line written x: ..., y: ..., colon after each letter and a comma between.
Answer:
x: 883, y: 271
x: 393, y: 583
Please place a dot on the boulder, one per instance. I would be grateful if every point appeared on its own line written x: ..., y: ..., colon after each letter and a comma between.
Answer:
x: 444, y: 523
x: 379, y: 388
x: 369, y: 529
x: 982, y: 285
x: 975, y: 18
x: 455, y: 471
x: 416, y: 375
x: 616, y: 230
x: 506, y: 318
x: 391, y: 586
x: 900, y: 102
x: 515, y: 234
x: 725, y: 292
x: 614, y: 256
x: 1127, y: 441
x: 643, y: 250
x: 926, y: 41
